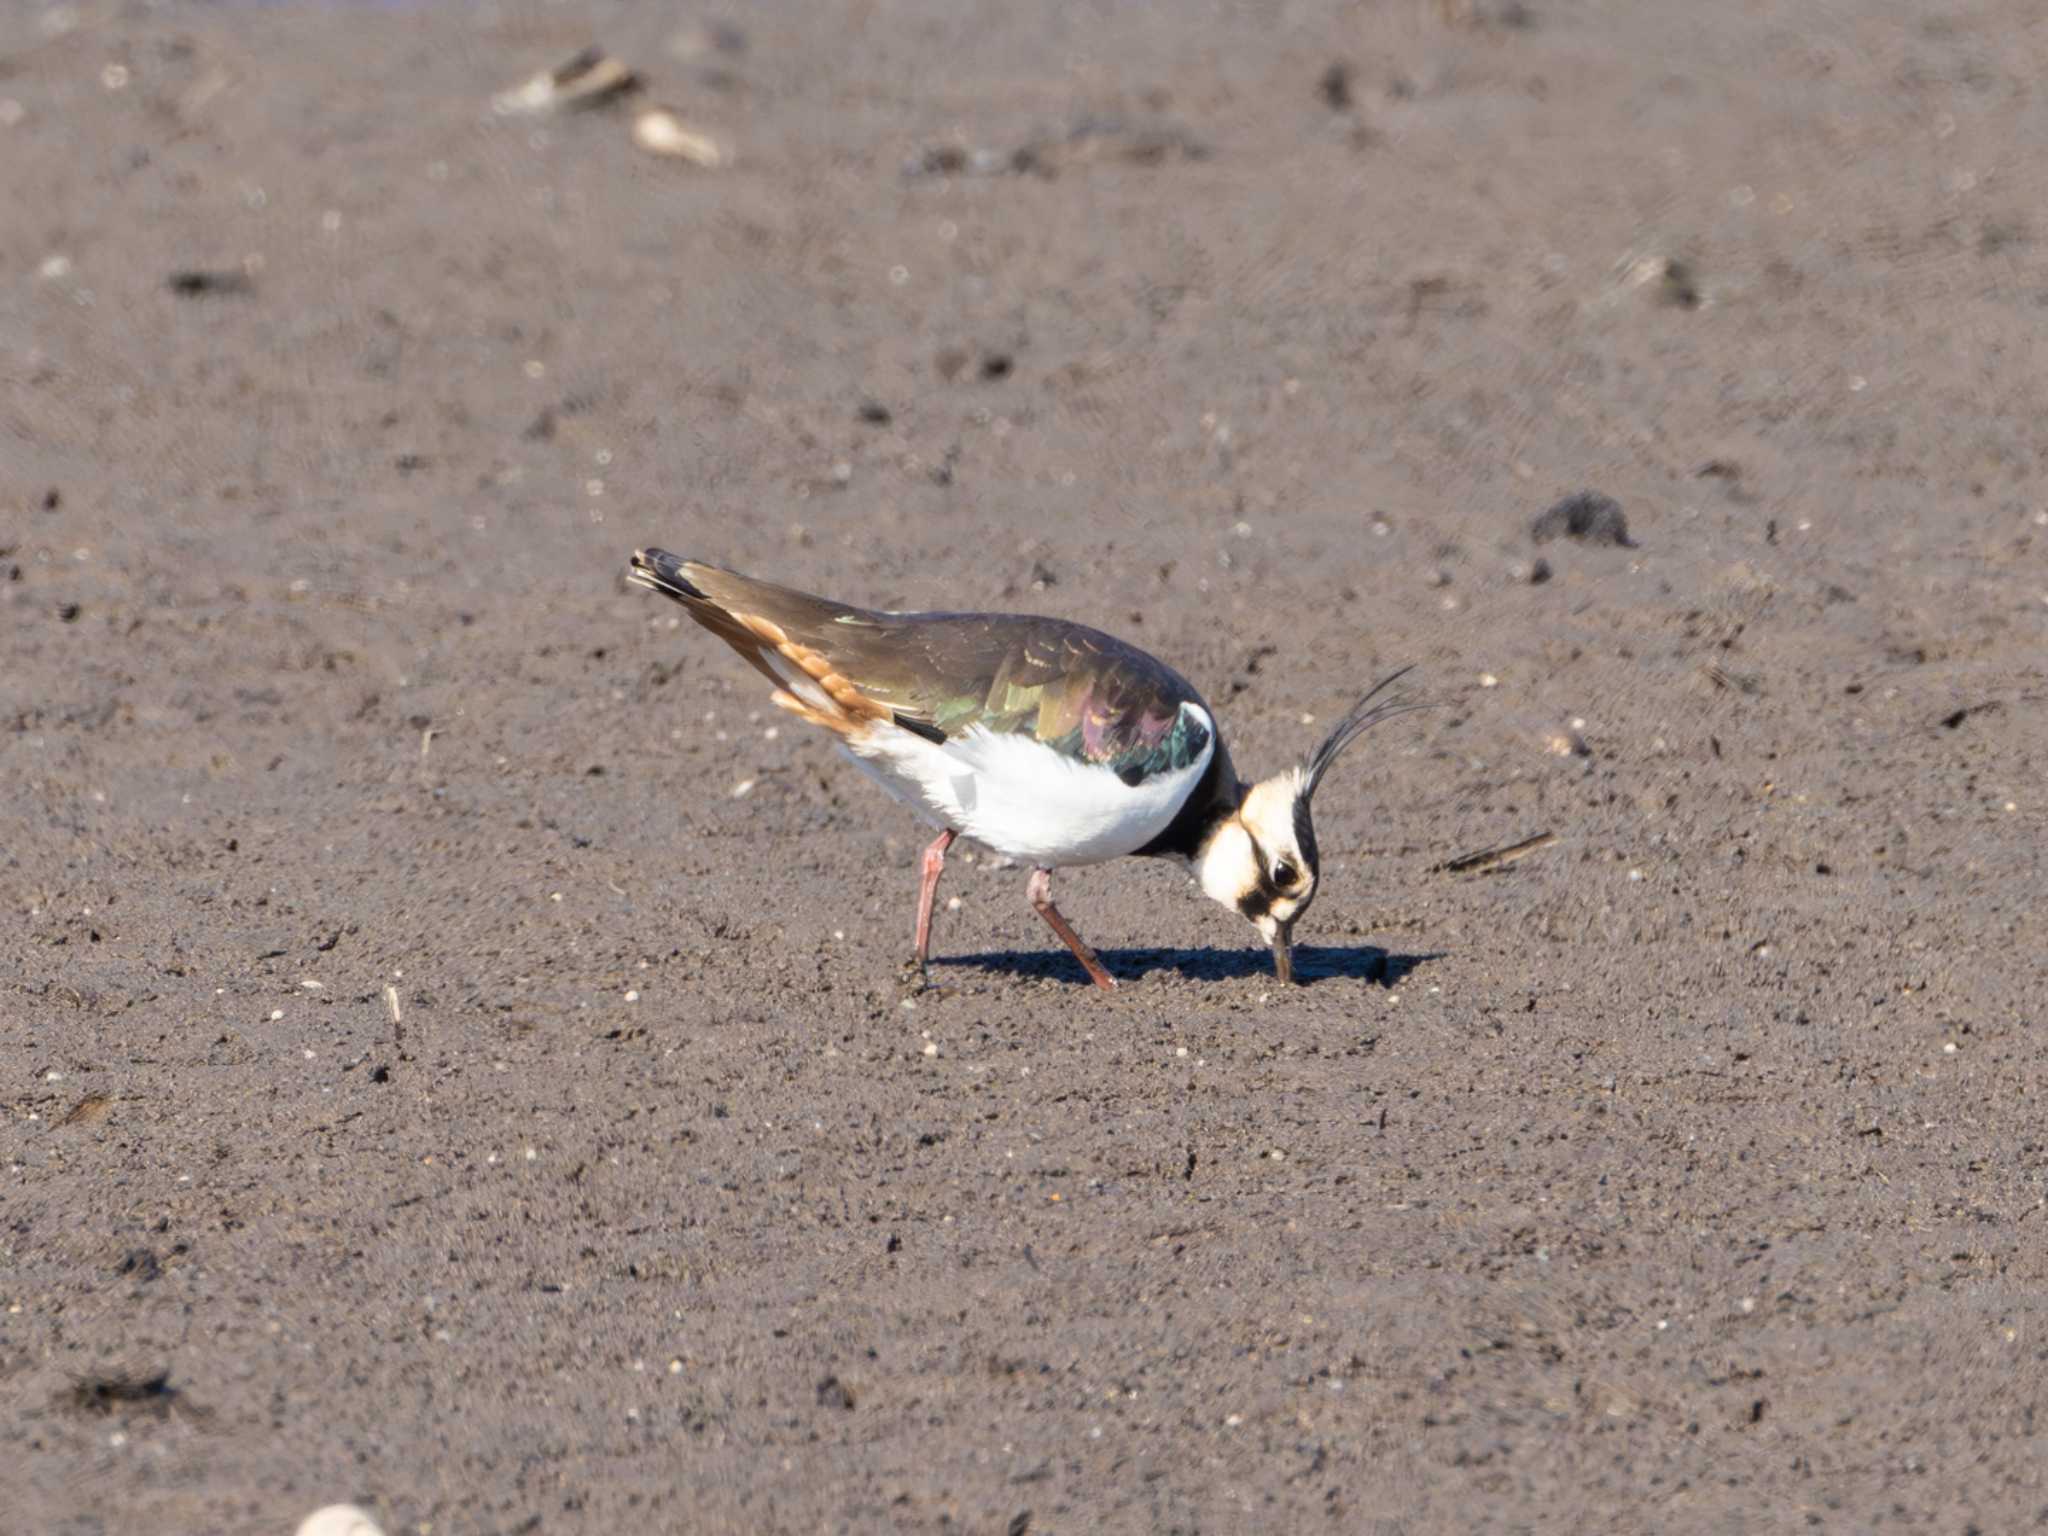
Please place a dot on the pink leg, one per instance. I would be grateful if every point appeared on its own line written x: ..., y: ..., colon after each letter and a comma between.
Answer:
x: 1040, y: 891
x: 934, y: 861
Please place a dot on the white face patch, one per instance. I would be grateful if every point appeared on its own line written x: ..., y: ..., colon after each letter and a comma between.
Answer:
x: 1227, y: 866
x: 1256, y: 861
x: 1275, y: 816
x: 1268, y: 809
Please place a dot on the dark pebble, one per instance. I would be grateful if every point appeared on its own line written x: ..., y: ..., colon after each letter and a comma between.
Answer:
x: 108, y: 1393
x: 1680, y: 286
x: 1588, y: 516
x: 193, y: 284
x: 939, y: 160
x: 1335, y: 87
x: 834, y: 1393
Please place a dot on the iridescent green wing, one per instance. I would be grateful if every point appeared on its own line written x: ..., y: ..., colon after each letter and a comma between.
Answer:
x: 1085, y: 694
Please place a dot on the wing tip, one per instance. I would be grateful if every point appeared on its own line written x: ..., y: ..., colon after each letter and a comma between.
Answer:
x: 917, y: 727
x: 663, y: 572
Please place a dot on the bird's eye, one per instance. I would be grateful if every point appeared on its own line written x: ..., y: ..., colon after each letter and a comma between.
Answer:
x: 1285, y: 874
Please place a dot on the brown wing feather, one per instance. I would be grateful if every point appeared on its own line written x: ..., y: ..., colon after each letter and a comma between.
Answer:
x: 1081, y: 691
x: 750, y: 616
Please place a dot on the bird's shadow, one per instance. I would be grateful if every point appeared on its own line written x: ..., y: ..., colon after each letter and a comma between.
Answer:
x: 1312, y: 963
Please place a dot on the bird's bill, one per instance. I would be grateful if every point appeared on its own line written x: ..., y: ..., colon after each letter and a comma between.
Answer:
x: 1283, y: 955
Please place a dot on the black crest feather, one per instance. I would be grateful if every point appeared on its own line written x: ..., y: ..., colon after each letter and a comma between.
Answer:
x: 1364, y: 714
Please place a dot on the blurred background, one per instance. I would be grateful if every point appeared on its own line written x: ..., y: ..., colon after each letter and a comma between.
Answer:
x: 348, y: 350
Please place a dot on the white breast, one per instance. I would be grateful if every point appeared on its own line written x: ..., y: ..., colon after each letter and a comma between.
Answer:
x: 1021, y: 798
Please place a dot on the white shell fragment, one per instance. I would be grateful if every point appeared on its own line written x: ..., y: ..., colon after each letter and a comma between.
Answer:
x: 660, y: 132
x: 1566, y: 743
x: 339, y: 1520
x: 590, y: 79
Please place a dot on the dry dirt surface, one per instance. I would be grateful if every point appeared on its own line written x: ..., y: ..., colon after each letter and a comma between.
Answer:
x: 452, y: 1052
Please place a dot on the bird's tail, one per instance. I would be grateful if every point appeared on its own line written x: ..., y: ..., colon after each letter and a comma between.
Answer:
x: 805, y: 681
x: 662, y: 571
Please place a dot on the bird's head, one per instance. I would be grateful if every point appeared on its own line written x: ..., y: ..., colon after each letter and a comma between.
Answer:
x: 1262, y: 860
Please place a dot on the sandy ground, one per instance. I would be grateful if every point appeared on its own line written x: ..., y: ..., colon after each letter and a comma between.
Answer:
x: 1686, y: 1174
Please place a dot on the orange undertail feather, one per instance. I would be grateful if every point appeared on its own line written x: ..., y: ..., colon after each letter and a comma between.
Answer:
x: 852, y: 712
x: 830, y: 700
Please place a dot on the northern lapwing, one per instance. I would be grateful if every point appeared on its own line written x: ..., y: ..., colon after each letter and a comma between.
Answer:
x: 1049, y: 742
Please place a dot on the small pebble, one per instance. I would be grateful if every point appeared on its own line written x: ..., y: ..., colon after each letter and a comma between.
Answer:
x: 1567, y: 743
x: 589, y: 79
x: 339, y: 1520
x: 1334, y: 86
x: 1587, y: 516
x: 660, y: 132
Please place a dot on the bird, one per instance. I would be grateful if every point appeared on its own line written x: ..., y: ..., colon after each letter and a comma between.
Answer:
x: 1051, y: 743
